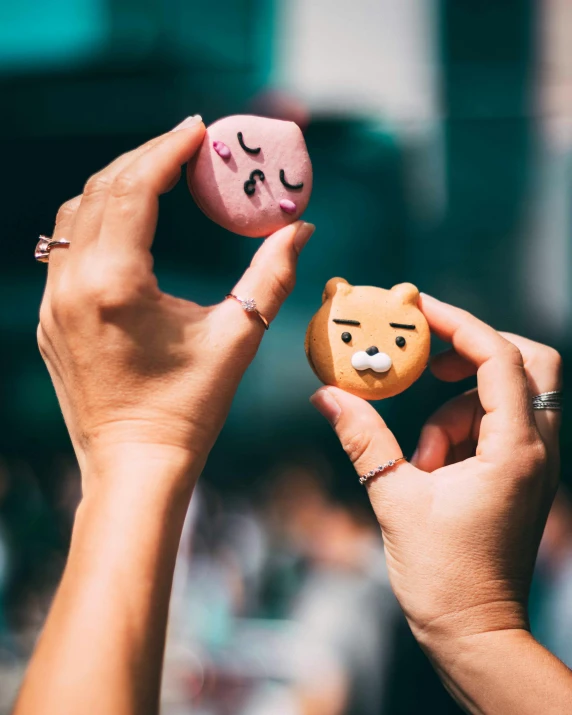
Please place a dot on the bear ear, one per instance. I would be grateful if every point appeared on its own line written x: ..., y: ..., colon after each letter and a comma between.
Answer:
x: 332, y: 287
x: 406, y: 292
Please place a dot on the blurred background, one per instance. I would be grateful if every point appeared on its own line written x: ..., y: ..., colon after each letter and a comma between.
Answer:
x: 441, y: 137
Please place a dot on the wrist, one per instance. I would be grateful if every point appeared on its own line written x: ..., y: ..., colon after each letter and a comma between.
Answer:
x: 140, y: 465
x: 452, y: 629
x: 138, y: 498
x: 473, y: 667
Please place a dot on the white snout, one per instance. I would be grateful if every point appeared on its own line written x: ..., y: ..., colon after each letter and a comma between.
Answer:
x: 380, y: 362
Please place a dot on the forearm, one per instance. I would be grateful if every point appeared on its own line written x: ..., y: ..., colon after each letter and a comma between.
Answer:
x: 102, y: 646
x: 503, y: 672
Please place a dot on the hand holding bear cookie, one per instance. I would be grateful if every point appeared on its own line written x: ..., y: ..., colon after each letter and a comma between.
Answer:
x: 462, y: 521
x: 368, y: 341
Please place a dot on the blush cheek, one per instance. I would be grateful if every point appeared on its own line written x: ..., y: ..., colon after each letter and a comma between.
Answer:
x: 221, y: 149
x: 288, y: 206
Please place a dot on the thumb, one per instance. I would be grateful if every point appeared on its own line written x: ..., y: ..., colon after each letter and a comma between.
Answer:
x: 365, y: 438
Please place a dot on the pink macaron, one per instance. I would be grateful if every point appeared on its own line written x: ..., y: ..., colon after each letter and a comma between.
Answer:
x: 252, y: 175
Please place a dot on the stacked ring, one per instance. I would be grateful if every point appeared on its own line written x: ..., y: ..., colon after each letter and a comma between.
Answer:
x: 548, y: 401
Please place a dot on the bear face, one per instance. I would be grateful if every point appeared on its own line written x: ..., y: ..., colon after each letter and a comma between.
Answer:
x: 368, y: 341
x: 251, y: 175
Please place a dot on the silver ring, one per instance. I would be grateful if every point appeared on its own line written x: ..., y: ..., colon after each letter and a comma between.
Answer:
x: 548, y: 401
x: 45, y: 245
x: 378, y: 470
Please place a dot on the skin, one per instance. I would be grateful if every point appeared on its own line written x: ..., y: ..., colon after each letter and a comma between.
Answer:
x: 462, y: 523
x: 145, y: 381
x: 144, y: 400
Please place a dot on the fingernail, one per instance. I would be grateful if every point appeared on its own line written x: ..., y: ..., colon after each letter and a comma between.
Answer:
x: 303, y: 235
x: 188, y: 122
x: 327, y: 405
x: 426, y: 296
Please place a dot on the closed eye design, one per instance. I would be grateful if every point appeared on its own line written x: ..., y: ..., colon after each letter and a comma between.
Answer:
x: 342, y: 321
x: 246, y: 148
x: 286, y: 184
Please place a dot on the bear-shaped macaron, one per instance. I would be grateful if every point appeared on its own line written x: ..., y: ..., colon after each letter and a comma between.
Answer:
x: 252, y: 175
x: 369, y: 341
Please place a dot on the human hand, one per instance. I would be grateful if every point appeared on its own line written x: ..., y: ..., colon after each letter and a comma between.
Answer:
x: 140, y: 373
x: 462, y: 523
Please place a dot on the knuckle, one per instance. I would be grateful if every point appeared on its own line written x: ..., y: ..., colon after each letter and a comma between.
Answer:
x: 113, y: 293
x: 96, y: 185
x: 124, y: 185
x: 531, y: 457
x: 66, y: 211
x: 124, y: 209
x: 552, y: 359
x: 283, y: 283
x: 356, y: 446
x: 538, y: 453
x: 511, y: 353
x: 41, y: 338
x: 105, y: 294
x: 45, y: 316
x: 61, y: 308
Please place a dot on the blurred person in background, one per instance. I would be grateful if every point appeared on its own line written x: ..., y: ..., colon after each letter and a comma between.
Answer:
x: 301, y: 581
x: 344, y: 601
x: 144, y: 402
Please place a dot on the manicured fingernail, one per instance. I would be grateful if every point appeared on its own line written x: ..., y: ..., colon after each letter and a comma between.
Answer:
x: 327, y: 405
x: 303, y: 235
x: 188, y: 122
x: 426, y: 296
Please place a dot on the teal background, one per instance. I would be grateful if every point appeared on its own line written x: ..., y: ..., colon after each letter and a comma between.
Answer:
x: 84, y: 80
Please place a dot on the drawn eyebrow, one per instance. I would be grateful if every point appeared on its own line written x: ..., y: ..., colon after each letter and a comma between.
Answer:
x: 341, y: 321
x: 403, y: 326
x: 246, y: 148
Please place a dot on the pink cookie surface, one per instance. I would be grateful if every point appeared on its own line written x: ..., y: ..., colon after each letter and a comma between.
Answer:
x: 252, y: 175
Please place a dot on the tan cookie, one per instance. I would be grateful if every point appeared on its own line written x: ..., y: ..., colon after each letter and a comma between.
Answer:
x: 368, y: 341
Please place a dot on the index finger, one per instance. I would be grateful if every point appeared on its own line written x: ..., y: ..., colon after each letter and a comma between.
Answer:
x: 132, y: 207
x: 501, y: 378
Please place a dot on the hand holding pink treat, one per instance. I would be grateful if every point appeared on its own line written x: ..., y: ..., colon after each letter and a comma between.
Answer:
x: 252, y: 175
